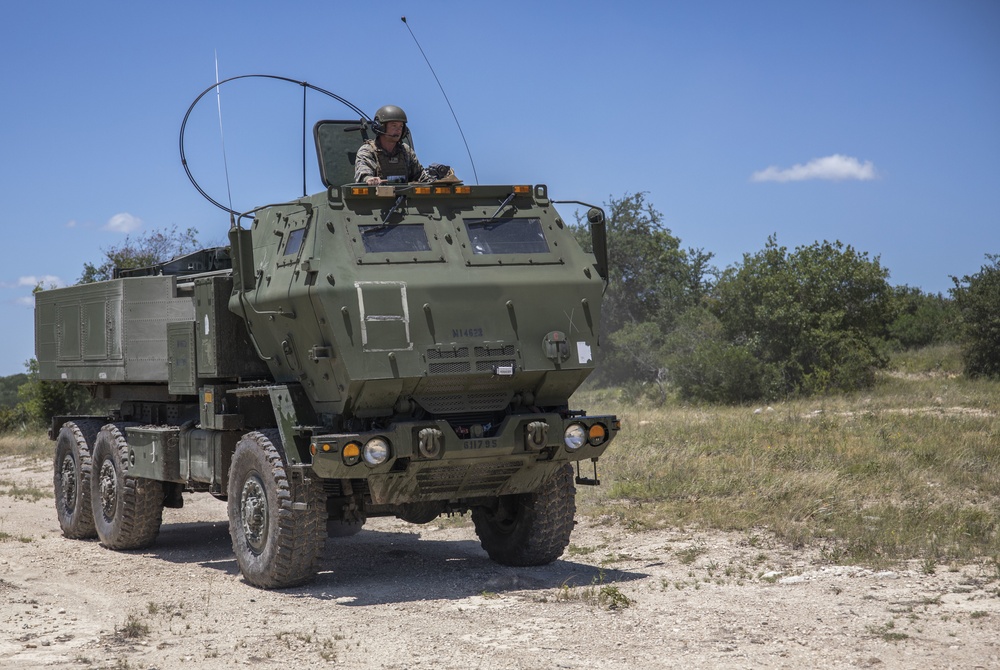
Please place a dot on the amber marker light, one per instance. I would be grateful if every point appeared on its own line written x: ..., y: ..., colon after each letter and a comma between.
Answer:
x: 359, y: 190
x: 441, y: 190
x: 522, y: 189
x: 463, y: 189
x: 351, y: 453
x: 597, y: 434
x: 422, y: 190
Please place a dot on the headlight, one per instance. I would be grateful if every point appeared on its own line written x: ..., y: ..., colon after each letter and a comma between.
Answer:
x: 574, y: 437
x: 376, y: 451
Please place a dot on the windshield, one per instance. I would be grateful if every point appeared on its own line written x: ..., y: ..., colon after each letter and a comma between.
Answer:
x: 506, y: 236
x: 381, y: 239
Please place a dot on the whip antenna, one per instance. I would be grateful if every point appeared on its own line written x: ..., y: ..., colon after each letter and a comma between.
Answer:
x: 445, y: 98
x: 225, y: 163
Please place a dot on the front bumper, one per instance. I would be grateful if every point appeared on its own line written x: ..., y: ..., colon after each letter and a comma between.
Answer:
x: 515, y: 458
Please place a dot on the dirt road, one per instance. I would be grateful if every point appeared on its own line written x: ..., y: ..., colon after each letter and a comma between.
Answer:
x: 404, y: 596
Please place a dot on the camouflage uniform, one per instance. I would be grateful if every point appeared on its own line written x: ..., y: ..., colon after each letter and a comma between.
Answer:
x: 374, y: 161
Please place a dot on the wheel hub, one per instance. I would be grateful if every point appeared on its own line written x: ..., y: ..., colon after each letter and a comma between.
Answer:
x: 109, y: 489
x: 505, y: 517
x: 67, y: 476
x: 253, y: 503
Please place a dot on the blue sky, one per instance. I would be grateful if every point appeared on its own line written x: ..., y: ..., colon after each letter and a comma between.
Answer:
x: 873, y: 123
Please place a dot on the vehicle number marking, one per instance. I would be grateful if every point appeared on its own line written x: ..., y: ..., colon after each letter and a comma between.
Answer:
x: 480, y: 444
x: 466, y: 332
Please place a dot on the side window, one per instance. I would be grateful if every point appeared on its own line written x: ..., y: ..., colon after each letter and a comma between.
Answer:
x: 294, y: 242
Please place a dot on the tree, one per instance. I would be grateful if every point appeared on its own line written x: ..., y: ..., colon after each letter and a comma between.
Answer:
x: 651, y: 282
x: 978, y: 300
x: 815, y: 319
x: 154, y: 247
x: 41, y: 400
x: 922, y: 319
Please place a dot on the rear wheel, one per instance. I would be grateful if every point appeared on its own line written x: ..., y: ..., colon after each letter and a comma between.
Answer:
x: 127, y: 510
x: 275, y: 545
x: 421, y: 512
x: 71, y: 480
x: 529, y: 528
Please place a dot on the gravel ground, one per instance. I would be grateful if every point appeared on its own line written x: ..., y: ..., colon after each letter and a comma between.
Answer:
x: 404, y: 596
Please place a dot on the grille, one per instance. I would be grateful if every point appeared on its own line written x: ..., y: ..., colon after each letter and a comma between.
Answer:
x: 490, y: 366
x: 449, y: 368
x: 471, y: 402
x: 465, y: 479
x: 461, y: 352
x: 507, y: 350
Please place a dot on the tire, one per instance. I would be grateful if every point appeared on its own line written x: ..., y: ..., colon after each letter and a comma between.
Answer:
x: 276, y: 546
x: 338, y: 528
x: 127, y: 510
x: 529, y: 528
x: 71, y: 478
x: 421, y: 512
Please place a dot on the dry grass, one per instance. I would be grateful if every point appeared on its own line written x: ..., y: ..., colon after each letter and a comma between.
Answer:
x: 909, y: 470
x: 29, y: 444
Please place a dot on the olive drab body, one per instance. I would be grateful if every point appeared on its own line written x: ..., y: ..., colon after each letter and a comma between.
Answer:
x: 438, y: 300
x: 403, y: 350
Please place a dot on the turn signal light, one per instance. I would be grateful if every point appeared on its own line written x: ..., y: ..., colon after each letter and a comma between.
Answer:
x: 351, y: 453
x: 597, y: 434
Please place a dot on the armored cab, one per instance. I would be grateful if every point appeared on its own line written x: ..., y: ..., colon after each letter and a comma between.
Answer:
x: 405, y: 349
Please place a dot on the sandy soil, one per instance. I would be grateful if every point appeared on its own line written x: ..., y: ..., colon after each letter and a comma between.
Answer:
x: 403, y: 596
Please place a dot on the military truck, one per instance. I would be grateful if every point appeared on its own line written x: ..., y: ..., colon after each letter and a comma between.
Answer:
x: 401, y: 350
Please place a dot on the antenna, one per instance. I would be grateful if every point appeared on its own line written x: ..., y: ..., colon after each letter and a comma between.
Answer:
x: 445, y: 98
x: 225, y: 163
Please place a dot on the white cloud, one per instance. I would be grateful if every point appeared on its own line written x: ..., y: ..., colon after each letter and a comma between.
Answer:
x: 123, y: 223
x: 25, y: 300
x: 832, y: 168
x: 44, y: 280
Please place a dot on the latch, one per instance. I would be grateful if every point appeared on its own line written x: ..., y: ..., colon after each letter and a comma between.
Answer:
x: 317, y: 352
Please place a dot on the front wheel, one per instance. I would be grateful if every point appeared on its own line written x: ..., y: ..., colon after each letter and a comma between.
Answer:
x: 127, y: 510
x: 275, y: 544
x: 529, y: 528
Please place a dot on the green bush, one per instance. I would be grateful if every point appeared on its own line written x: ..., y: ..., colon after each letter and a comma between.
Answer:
x: 702, y: 365
x: 978, y: 300
x: 814, y: 319
x: 922, y: 319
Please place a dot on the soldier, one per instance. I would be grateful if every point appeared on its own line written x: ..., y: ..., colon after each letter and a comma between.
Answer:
x: 387, y: 156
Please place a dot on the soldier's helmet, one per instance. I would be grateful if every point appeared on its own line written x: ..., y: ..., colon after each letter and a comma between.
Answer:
x: 388, y: 113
